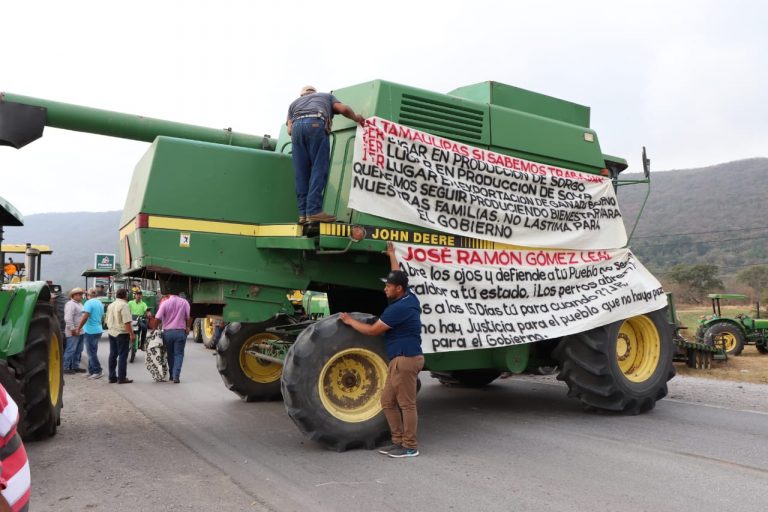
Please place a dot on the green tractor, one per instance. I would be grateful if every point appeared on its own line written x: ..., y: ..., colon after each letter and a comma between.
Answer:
x: 31, y: 340
x: 732, y: 334
x: 237, y: 250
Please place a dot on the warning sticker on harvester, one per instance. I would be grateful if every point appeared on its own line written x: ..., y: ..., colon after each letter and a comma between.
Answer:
x: 410, y: 176
x: 482, y: 298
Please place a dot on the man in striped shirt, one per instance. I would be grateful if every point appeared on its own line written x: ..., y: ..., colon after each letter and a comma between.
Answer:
x: 15, y: 480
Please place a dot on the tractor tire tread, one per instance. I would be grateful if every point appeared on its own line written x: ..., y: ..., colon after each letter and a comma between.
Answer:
x: 593, y: 378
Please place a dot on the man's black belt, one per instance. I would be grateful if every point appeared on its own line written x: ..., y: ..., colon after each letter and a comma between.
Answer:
x: 310, y: 115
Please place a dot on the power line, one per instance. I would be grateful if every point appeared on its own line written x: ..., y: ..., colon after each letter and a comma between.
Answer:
x: 698, y: 242
x: 701, y: 232
x: 719, y: 267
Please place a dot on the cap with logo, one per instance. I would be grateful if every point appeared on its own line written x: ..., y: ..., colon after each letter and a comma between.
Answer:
x: 397, y: 278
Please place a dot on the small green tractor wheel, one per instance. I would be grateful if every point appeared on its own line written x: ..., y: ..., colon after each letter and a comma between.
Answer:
x: 467, y: 378
x: 726, y: 335
x: 243, y: 373
x: 332, y: 383
x: 763, y: 349
x: 197, y: 331
x: 207, y: 330
x: 38, y: 370
x: 622, y: 367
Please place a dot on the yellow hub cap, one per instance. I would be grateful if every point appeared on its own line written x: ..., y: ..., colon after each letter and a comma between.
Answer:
x: 54, y: 370
x: 208, y: 328
x: 256, y: 369
x: 729, y: 340
x: 638, y: 348
x: 350, y: 384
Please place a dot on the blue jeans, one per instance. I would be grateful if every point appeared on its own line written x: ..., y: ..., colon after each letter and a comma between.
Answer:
x: 118, y: 355
x: 92, y: 346
x: 175, y: 340
x: 311, y: 160
x: 73, y: 352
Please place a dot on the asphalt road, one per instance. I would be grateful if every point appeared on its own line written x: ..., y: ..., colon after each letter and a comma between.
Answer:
x: 516, y: 445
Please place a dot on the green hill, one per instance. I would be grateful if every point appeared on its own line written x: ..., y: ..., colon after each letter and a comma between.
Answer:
x: 74, y: 238
x: 715, y: 215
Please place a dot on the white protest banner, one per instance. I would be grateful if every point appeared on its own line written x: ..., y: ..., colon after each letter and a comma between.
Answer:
x: 410, y: 176
x: 476, y: 298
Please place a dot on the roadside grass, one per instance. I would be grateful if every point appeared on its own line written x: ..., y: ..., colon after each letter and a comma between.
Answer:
x: 750, y: 366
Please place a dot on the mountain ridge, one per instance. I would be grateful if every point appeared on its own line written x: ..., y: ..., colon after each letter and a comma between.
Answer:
x: 689, y: 218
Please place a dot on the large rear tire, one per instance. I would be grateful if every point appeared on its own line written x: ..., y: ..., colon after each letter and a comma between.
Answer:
x: 622, y: 367
x: 206, y: 331
x: 38, y: 370
x: 197, y: 331
x: 332, y: 383
x: 731, y: 336
x: 243, y: 373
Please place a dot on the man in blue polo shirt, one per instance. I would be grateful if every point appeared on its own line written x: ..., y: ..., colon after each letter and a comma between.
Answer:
x: 93, y: 312
x: 401, y: 325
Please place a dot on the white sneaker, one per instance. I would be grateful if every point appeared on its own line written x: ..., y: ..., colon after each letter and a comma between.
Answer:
x: 97, y: 375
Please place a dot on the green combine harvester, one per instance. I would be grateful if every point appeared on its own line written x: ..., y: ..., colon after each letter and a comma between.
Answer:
x: 31, y: 340
x: 212, y: 213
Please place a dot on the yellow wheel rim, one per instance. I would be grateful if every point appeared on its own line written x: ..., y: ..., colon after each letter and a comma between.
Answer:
x: 54, y: 370
x: 256, y: 369
x: 350, y: 384
x: 208, y: 327
x: 638, y: 348
x: 729, y: 340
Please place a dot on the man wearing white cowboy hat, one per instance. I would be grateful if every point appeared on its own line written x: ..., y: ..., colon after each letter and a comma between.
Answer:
x: 73, y: 313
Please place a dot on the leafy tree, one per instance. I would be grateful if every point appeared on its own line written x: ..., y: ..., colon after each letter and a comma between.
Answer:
x: 695, y: 280
x: 756, y: 278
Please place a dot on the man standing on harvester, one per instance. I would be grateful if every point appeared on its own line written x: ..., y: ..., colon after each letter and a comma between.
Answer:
x: 401, y: 325
x: 309, y: 123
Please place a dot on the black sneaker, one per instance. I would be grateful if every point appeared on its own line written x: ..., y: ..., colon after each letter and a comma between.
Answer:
x: 403, y: 452
x: 68, y: 372
x: 384, y: 450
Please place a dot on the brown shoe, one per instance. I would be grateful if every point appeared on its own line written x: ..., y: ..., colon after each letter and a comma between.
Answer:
x: 125, y: 381
x: 321, y: 217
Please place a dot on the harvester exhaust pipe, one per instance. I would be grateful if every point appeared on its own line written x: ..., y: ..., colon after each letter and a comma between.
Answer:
x: 32, y: 263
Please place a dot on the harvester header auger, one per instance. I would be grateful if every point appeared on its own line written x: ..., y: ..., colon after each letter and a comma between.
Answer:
x: 22, y: 119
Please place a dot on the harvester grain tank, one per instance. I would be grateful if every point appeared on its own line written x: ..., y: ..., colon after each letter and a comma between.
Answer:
x: 237, y: 251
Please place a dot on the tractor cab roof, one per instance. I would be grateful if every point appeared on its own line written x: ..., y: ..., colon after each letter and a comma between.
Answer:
x: 22, y: 248
x: 92, y: 272
x: 9, y: 215
x: 726, y: 296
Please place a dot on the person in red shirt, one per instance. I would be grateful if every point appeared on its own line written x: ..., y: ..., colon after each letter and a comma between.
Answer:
x: 15, y: 480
